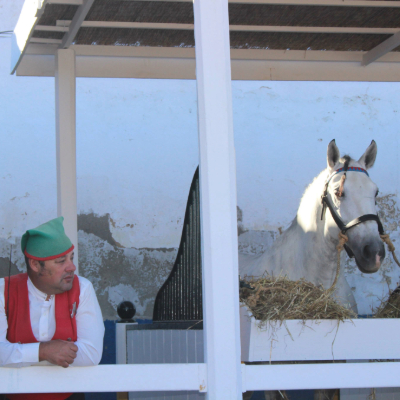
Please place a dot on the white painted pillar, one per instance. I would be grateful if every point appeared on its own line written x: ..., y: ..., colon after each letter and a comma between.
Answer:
x: 66, y: 143
x: 218, y: 201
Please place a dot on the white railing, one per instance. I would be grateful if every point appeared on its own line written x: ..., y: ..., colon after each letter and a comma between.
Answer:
x: 164, y: 377
x: 320, y: 376
x: 104, y: 378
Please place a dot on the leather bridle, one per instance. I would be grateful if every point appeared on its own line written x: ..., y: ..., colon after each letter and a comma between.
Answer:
x: 326, y: 202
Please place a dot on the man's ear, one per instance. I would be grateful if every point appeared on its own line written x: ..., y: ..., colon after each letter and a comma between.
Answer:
x: 35, y: 265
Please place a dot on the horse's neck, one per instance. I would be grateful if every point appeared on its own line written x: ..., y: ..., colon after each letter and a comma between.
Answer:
x: 320, y: 251
x: 303, y: 248
x: 302, y: 251
x: 309, y: 213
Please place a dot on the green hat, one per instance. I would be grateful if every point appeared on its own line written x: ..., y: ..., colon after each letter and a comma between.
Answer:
x: 46, y: 242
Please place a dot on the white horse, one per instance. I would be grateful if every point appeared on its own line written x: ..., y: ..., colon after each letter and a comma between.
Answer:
x: 307, y: 249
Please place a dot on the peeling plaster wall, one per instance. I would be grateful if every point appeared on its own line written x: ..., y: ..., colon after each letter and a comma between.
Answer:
x: 137, y: 151
x: 119, y: 274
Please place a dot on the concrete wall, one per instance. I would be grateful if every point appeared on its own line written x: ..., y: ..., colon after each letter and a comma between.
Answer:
x: 137, y: 152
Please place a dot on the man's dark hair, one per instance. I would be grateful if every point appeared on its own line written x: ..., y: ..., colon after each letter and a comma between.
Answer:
x: 28, y: 267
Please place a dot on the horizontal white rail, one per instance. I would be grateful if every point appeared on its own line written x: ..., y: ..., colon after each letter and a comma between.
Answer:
x: 104, y: 378
x: 160, y: 377
x: 320, y: 376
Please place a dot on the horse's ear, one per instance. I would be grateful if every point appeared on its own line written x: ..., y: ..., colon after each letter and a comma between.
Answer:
x: 368, y: 158
x: 333, y: 154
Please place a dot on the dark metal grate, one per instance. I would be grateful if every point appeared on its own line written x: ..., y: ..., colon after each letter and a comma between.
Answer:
x: 180, y: 297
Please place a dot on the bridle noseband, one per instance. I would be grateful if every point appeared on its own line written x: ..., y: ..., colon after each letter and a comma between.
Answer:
x: 326, y: 202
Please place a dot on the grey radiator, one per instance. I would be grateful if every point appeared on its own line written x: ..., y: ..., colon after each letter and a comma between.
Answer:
x: 156, y: 344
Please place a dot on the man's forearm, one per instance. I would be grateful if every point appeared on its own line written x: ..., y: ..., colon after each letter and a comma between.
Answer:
x: 87, y: 355
x: 18, y: 355
x: 90, y: 328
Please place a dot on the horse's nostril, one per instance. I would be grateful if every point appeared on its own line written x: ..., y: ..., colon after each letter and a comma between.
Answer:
x: 382, y: 252
x: 370, y: 251
x: 367, y: 251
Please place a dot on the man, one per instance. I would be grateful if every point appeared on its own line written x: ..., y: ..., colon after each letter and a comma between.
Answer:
x: 49, y: 315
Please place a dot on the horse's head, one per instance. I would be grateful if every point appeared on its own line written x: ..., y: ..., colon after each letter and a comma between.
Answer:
x: 352, y: 197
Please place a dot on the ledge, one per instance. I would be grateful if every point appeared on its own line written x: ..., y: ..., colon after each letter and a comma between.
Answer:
x: 104, y: 378
x: 322, y: 340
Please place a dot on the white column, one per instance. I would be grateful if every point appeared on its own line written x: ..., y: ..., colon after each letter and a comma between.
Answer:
x: 66, y: 143
x: 218, y: 200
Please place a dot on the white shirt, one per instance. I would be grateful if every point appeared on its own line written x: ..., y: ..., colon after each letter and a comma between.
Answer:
x: 89, y: 322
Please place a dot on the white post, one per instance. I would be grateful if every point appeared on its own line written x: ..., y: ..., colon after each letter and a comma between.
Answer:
x: 66, y: 143
x: 218, y: 201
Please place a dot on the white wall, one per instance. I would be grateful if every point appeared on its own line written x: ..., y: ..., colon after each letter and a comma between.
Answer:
x: 282, y: 131
x: 137, y: 151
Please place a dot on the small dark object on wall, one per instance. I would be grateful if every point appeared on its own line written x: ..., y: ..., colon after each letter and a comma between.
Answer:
x: 126, y: 310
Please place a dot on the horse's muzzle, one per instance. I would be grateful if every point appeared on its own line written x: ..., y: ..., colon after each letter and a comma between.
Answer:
x: 370, y: 258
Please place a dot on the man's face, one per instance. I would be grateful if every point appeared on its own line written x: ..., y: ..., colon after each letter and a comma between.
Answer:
x: 55, y: 276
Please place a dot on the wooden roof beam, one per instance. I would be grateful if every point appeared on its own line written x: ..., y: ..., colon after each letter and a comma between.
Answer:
x: 336, y: 3
x: 45, y: 40
x: 121, y: 52
x: 62, y: 26
x: 51, y: 28
x: 381, y: 49
x: 179, y: 63
x: 68, y: 2
x: 76, y: 22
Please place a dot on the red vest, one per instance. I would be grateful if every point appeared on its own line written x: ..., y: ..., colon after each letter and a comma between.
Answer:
x: 19, y: 322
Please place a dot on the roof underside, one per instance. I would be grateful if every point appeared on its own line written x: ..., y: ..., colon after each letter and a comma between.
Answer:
x: 239, y: 14
x: 357, y: 28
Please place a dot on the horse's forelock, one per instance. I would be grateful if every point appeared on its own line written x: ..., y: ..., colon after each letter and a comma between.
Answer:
x: 346, y: 159
x: 350, y: 162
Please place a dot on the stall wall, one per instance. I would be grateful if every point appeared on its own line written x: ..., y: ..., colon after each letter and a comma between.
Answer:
x: 137, y: 150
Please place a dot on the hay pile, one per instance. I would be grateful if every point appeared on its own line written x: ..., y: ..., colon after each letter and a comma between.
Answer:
x: 389, y: 308
x: 279, y: 299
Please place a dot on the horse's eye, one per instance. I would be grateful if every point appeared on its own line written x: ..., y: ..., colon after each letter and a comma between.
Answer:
x: 339, y: 194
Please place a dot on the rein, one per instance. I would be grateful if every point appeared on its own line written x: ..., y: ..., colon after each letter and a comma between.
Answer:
x: 327, y: 203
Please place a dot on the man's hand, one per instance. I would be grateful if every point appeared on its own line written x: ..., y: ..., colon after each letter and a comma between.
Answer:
x: 58, y: 352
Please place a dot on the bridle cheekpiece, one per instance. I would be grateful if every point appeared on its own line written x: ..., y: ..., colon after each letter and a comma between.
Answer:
x: 326, y: 202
